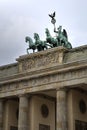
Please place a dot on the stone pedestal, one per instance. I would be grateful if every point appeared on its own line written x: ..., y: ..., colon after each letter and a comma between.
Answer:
x: 1, y: 115
x: 23, y: 113
x: 61, y: 111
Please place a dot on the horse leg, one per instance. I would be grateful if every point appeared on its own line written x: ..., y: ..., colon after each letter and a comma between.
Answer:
x: 69, y: 46
x: 27, y: 50
x: 63, y: 43
x: 56, y: 42
x: 46, y: 47
x: 33, y: 50
x: 50, y: 45
x: 60, y: 42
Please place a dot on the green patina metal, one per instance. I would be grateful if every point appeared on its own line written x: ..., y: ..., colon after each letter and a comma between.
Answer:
x: 40, y: 45
x: 31, y: 44
x: 51, y: 40
x: 61, y: 38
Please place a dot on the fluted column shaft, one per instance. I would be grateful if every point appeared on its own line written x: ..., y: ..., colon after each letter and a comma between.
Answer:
x: 23, y: 113
x: 61, y: 110
x: 1, y: 115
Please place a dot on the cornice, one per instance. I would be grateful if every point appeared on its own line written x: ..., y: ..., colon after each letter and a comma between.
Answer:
x: 44, y: 71
x: 8, y: 66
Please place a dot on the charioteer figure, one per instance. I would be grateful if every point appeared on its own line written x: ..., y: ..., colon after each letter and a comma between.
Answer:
x: 62, y: 36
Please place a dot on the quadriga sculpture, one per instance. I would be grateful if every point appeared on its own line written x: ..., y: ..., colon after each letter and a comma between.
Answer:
x: 61, y: 38
x: 38, y: 44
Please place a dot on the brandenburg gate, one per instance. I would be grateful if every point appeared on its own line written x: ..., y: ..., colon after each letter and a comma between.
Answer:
x: 47, y: 89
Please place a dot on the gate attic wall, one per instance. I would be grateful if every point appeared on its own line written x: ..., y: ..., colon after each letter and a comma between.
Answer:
x: 46, y: 70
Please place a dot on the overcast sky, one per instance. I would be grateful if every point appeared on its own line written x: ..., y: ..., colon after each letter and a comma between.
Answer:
x: 21, y: 18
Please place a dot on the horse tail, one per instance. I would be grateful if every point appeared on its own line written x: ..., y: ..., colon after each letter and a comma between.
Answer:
x: 69, y: 46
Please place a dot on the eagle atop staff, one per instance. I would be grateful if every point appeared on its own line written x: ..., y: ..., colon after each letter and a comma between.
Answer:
x: 52, y: 16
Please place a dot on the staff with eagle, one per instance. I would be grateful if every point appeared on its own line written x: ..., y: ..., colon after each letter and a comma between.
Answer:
x: 62, y: 36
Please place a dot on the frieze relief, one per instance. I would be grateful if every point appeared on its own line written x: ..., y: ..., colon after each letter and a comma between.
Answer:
x: 40, y: 60
x: 9, y: 87
x: 44, y: 80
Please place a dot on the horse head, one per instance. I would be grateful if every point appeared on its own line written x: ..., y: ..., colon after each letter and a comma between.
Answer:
x: 47, y: 32
x: 26, y: 38
x: 29, y: 39
x: 36, y: 36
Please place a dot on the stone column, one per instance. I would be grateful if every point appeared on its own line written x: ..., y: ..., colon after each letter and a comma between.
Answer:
x: 61, y: 110
x: 23, y: 113
x: 1, y: 115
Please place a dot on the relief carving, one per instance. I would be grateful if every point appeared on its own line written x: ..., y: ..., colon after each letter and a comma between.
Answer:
x: 37, y: 82
x: 28, y: 64
x: 40, y: 60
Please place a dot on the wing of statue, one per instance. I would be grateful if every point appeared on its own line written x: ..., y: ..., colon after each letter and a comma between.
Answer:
x: 52, y: 15
x: 65, y: 33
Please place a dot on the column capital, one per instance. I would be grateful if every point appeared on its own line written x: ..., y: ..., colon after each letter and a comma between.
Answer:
x: 62, y: 89
x: 23, y: 95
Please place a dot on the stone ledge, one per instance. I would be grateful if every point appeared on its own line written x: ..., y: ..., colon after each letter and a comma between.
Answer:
x: 8, y: 66
x: 36, y: 54
x: 75, y: 54
x: 36, y: 73
x: 80, y: 48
